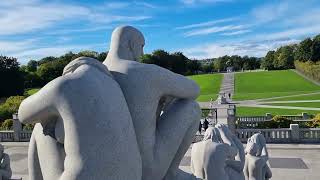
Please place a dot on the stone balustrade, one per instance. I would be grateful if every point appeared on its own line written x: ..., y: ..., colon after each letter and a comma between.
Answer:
x: 294, y: 134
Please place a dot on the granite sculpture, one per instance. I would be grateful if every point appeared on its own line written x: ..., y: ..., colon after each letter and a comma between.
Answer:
x: 5, y: 169
x: 209, y: 157
x: 256, y: 166
x: 219, y: 156
x: 84, y: 128
x: 162, y: 104
x: 236, y: 163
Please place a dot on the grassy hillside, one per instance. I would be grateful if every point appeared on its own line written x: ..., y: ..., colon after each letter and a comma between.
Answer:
x: 296, y: 98
x: 266, y: 84
x: 254, y: 111
x: 209, y: 85
x: 297, y: 104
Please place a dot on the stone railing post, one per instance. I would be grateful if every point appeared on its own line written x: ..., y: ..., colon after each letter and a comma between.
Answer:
x: 305, y: 116
x: 231, y: 120
x: 268, y: 116
x: 295, y: 133
x: 17, y: 127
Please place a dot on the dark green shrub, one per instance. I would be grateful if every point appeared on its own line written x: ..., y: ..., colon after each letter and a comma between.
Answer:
x: 10, y: 107
x: 7, y: 124
x: 28, y: 127
x: 315, y: 123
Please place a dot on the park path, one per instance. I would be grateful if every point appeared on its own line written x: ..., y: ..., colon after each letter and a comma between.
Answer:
x: 227, y: 85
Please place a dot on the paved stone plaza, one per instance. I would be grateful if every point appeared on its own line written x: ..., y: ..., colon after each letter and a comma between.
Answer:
x: 288, y: 161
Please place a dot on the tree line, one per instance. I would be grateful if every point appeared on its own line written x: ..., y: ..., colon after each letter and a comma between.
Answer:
x: 285, y: 56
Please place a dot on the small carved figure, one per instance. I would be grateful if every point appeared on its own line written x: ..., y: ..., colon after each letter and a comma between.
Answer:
x: 256, y: 167
x: 5, y: 169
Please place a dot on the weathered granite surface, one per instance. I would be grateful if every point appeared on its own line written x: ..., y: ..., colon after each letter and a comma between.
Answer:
x: 5, y: 168
x: 256, y: 167
x: 162, y: 105
x: 84, y: 128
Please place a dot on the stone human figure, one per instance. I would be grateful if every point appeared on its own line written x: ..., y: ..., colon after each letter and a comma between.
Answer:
x: 163, y: 139
x: 5, y: 169
x: 236, y: 163
x: 84, y: 129
x: 256, y: 167
x: 209, y: 157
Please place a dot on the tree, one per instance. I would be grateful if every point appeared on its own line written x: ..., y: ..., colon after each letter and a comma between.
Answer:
x: 303, y: 52
x: 11, y: 78
x: 315, y: 49
x: 268, y: 60
x: 284, y: 58
x: 32, y: 66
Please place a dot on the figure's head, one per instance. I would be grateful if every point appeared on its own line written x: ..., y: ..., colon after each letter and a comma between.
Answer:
x: 212, y: 134
x: 127, y: 43
x: 252, y: 149
x: 259, y: 141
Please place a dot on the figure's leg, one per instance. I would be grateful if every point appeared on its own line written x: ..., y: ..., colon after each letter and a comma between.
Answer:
x: 33, y: 159
x: 175, y: 129
x: 50, y: 154
x: 184, y: 146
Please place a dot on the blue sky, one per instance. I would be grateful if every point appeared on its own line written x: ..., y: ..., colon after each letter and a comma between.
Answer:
x: 32, y: 29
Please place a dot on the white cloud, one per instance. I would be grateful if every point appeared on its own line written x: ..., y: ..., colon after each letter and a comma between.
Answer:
x: 271, y: 11
x: 213, y: 50
x: 205, y: 24
x: 290, y: 33
x: 215, y: 29
x: 236, y: 32
x: 15, y: 46
x: 192, y: 2
x: 31, y: 17
x: 27, y: 16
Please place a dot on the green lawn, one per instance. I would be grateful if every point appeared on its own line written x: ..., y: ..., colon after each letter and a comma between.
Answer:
x: 254, y: 111
x: 299, y: 104
x: 296, y: 98
x: 29, y: 92
x: 209, y: 85
x: 266, y: 84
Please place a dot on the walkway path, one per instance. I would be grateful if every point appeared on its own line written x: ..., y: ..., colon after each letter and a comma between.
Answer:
x: 227, y: 85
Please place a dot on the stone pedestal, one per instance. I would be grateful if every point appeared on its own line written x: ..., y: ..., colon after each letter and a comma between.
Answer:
x: 17, y: 127
x: 295, y: 136
x: 268, y: 116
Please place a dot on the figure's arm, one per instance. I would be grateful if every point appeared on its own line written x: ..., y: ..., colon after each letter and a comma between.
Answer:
x: 176, y: 85
x: 246, y: 170
x: 241, y: 155
x: 39, y: 107
x: 231, y: 152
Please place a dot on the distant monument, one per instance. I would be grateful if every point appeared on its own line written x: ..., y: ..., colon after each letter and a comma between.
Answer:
x: 162, y: 104
x: 256, y: 167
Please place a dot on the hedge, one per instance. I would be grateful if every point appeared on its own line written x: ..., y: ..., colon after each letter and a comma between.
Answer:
x: 309, y: 69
